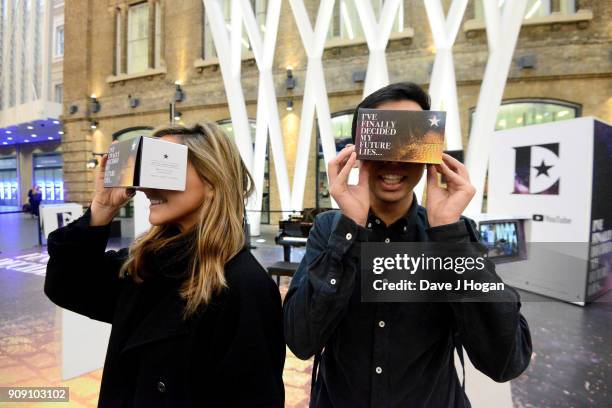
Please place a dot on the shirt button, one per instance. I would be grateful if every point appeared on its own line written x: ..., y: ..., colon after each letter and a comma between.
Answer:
x: 349, y: 236
x: 387, y: 240
x: 333, y: 281
x: 378, y: 370
x: 381, y: 323
x: 405, y: 229
x: 369, y: 225
x: 161, y: 387
x: 377, y: 221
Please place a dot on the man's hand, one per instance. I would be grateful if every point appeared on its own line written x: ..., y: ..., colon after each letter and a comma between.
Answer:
x: 353, y: 200
x: 445, y: 205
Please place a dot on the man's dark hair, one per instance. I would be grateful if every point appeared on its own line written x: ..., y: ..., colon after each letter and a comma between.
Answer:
x: 393, y: 92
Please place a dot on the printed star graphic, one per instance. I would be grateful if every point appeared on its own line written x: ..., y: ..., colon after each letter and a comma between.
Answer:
x: 542, y: 169
x: 434, y: 121
x: 165, y: 156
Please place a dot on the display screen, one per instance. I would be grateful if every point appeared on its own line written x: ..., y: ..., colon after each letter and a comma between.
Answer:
x: 501, y: 238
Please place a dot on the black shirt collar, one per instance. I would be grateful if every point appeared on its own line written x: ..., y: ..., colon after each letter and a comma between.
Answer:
x: 403, y: 225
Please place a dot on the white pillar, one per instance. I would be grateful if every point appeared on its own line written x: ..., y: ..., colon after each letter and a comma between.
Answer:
x: 18, y: 44
x: 315, y: 95
x: 377, y: 36
x: 4, y: 34
x: 30, y: 50
x: 502, y: 34
x: 442, y: 85
x: 268, y: 120
x: 46, y: 45
x: 231, y: 78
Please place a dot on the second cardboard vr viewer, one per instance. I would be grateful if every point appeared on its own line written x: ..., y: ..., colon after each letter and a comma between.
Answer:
x: 400, y: 135
x: 145, y: 162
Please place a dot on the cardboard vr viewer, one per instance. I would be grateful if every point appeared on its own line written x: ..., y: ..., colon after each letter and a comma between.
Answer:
x: 145, y: 162
x: 400, y: 135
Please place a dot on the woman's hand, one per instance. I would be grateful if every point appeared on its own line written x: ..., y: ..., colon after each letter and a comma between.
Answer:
x: 107, y: 201
x: 353, y: 200
x: 445, y: 205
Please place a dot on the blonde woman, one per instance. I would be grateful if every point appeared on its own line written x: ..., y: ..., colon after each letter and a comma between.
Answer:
x: 195, y: 319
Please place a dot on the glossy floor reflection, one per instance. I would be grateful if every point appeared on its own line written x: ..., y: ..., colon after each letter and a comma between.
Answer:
x: 571, y: 364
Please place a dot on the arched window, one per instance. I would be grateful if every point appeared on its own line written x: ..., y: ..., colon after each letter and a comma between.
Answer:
x: 226, y: 125
x: 524, y: 112
x: 130, y: 133
x: 341, y: 129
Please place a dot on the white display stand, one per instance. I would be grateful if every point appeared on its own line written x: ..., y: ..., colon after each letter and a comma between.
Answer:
x: 84, y: 340
x: 84, y: 343
x: 559, y: 175
x: 54, y: 216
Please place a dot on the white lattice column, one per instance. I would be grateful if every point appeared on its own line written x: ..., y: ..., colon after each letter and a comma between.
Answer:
x: 315, y: 95
x: 442, y: 85
x: 228, y: 54
x: 268, y: 120
x: 503, y: 26
x: 377, y: 36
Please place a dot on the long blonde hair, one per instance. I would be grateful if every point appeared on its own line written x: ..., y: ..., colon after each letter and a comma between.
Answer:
x: 219, y: 233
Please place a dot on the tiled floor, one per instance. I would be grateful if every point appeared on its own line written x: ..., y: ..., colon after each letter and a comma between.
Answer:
x: 30, y: 347
x: 571, y: 364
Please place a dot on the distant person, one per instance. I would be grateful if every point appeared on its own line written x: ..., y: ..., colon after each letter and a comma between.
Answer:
x: 34, y: 199
x: 196, y: 321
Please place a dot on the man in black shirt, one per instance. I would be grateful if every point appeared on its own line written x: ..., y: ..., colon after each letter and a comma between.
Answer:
x: 394, y: 354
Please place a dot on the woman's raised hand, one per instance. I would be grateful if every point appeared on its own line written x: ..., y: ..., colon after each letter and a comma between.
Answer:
x: 353, y: 200
x: 107, y: 201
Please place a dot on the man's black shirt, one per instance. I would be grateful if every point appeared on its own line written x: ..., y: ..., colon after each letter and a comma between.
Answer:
x: 392, y: 354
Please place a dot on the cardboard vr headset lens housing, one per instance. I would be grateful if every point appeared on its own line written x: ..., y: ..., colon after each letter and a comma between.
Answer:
x: 400, y: 135
x: 145, y: 162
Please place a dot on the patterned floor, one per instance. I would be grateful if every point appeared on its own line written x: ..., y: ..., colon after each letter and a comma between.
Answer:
x: 571, y: 364
x: 30, y: 349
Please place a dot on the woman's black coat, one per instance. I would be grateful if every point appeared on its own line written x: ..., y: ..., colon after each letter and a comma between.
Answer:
x: 230, y: 355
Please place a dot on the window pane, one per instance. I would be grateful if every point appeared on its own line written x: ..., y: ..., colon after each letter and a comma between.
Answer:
x: 259, y: 8
x: 534, y: 8
x: 537, y: 8
x: 347, y: 25
x: 59, y: 41
x: 138, y: 38
x: 58, y: 93
x: 567, y: 6
x: 518, y: 114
